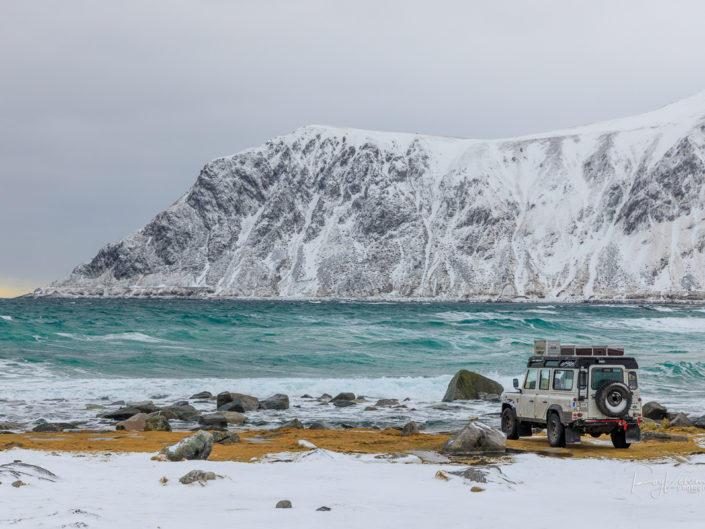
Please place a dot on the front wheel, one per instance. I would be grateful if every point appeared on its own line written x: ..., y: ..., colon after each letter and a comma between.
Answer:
x: 555, y: 430
x: 509, y: 423
x: 619, y: 439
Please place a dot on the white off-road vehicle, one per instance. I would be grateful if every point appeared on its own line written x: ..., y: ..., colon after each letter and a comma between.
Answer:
x: 572, y: 390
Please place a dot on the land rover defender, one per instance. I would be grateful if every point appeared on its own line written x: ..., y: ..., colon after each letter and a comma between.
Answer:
x: 573, y: 390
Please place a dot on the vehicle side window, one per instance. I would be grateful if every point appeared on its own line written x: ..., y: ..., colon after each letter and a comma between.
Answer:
x: 601, y: 374
x: 633, y: 384
x: 563, y: 379
x: 530, y: 382
x: 544, y: 380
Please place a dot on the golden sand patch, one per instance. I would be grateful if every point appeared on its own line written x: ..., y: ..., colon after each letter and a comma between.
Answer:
x: 256, y: 444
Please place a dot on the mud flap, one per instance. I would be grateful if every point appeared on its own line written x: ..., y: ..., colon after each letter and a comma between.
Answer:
x: 524, y: 429
x: 571, y: 436
x: 633, y: 434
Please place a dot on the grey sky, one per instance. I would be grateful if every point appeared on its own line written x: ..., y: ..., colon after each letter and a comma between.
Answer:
x: 109, y: 109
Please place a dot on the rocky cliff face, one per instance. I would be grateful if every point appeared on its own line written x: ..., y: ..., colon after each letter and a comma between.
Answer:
x: 609, y: 211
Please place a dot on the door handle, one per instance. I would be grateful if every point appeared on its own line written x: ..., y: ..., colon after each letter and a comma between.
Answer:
x: 544, y: 401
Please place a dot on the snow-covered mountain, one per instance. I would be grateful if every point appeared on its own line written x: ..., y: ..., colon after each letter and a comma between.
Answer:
x: 611, y: 211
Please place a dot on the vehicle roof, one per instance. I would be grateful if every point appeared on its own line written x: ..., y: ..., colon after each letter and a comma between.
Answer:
x: 627, y: 362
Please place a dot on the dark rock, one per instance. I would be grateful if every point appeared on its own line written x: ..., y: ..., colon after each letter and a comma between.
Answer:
x: 122, y: 414
x: 247, y: 402
x: 409, y: 429
x: 466, y: 385
x: 158, y: 397
x: 225, y: 437
x: 654, y: 410
x: 680, y: 420
x: 320, y: 425
x: 283, y: 504
x: 233, y: 417
x: 157, y: 423
x: 145, y: 406
x: 181, y: 403
x: 197, y: 446
x: 699, y: 422
x: 11, y: 426
x: 201, y: 395
x: 387, y: 402
x: 47, y: 427
x: 371, y: 408
x: 275, y: 402
x: 197, y: 475
x: 306, y: 396
x: 325, y: 396
x: 648, y: 435
x: 323, y: 508
x: 293, y: 423
x: 344, y: 396
x: 182, y: 412
x: 343, y: 403
x: 473, y: 438
x: 136, y: 423
x: 213, y: 421
x: 117, y: 403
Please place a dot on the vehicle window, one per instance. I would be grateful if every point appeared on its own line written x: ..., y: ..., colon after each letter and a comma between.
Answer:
x: 600, y: 374
x: 530, y: 382
x: 633, y: 384
x: 544, y: 379
x: 563, y: 379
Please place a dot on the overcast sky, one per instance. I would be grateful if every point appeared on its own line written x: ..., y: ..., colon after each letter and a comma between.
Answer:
x: 108, y: 110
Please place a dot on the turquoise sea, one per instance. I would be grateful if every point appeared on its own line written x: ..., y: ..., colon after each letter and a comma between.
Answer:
x: 57, y: 355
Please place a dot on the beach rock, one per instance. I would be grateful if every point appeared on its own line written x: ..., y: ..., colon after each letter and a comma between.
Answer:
x: 95, y: 407
x: 135, y: 423
x: 233, y: 417
x: 17, y: 484
x: 247, y: 402
x: 197, y: 475
x: 343, y: 403
x: 648, y: 435
x: 117, y: 403
x: 680, y: 420
x: 122, y: 413
x: 410, y: 428
x: 321, y: 425
x: 293, y: 423
x: 275, y: 402
x: 225, y: 437
x: 46, y: 427
x: 699, y: 422
x: 306, y: 396
x: 157, y: 423
x: 11, y: 426
x: 145, y: 406
x: 654, y: 410
x: 323, y: 508
x: 344, y: 396
x: 467, y: 385
x: 472, y: 474
x: 325, y: 396
x: 283, y: 504
x: 201, y: 395
x: 183, y: 412
x: 197, y: 446
x: 387, y: 402
x: 213, y: 421
x: 371, y: 408
x: 473, y: 438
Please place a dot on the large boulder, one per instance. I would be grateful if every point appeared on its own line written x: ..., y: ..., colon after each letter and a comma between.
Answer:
x: 197, y: 446
x: 201, y: 395
x: 157, y: 423
x: 680, y: 420
x: 233, y: 417
x: 475, y: 437
x: 275, y: 402
x: 344, y: 396
x: 410, y: 428
x: 699, y: 422
x: 246, y: 402
x: 466, y: 385
x: 136, y: 423
x: 145, y: 406
x: 184, y: 412
x: 213, y: 421
x: 122, y: 413
x: 654, y: 410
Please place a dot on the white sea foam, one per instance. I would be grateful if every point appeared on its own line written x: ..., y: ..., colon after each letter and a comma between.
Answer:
x: 670, y: 325
x: 542, y: 311
x: 6, y: 318
x: 123, y: 336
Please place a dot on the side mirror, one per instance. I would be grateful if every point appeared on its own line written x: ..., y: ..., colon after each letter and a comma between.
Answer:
x: 582, y: 380
x: 516, y: 383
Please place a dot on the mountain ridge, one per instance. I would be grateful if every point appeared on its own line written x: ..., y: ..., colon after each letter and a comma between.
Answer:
x: 607, y: 211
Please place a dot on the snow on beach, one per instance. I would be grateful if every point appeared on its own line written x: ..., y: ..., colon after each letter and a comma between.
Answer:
x: 107, y: 491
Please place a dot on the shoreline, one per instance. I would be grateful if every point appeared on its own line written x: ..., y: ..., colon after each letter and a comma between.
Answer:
x: 257, y: 444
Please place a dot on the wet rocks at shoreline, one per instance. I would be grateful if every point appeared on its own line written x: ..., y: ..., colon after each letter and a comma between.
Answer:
x: 474, y: 438
x: 468, y: 385
x: 196, y: 446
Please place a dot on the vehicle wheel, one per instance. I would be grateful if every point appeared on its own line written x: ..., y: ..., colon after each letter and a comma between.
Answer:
x: 619, y: 439
x: 613, y: 398
x: 595, y: 435
x: 509, y: 423
x: 555, y: 430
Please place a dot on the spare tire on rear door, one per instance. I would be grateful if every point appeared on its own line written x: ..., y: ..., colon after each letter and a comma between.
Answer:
x: 613, y: 398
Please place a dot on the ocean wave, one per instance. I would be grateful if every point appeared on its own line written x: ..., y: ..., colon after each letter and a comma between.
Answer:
x: 6, y: 318
x: 123, y: 336
x: 667, y: 324
x: 542, y: 311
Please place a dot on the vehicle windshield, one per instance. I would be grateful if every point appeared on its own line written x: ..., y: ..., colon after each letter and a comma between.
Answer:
x: 601, y: 374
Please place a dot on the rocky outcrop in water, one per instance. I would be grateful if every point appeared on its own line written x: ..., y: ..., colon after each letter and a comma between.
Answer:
x: 610, y: 211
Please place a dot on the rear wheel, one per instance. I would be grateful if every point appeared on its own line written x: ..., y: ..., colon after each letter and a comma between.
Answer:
x: 555, y: 430
x: 619, y: 439
x: 509, y: 423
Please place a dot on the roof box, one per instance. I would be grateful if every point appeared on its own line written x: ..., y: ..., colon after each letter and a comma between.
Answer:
x: 547, y: 347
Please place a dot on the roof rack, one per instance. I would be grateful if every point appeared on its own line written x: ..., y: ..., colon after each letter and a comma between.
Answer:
x: 554, y: 348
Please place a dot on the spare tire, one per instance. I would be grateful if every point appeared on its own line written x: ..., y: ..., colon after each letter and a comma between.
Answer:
x: 614, y: 398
